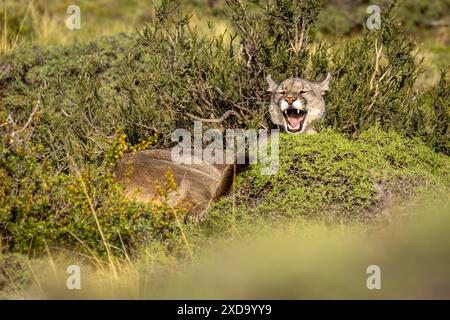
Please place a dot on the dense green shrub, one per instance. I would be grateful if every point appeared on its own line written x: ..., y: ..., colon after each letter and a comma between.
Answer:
x: 433, y: 122
x: 330, y: 177
x: 84, y: 211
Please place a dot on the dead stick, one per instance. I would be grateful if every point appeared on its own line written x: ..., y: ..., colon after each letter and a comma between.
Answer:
x: 221, y: 119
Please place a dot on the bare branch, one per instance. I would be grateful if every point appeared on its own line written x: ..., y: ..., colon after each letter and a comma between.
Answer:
x: 378, y: 52
x: 30, y: 119
x: 220, y: 120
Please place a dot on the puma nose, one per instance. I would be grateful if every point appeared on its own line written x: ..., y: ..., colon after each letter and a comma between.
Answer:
x: 291, y: 100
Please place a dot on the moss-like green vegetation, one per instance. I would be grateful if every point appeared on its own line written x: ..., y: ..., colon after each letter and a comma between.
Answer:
x: 329, y: 177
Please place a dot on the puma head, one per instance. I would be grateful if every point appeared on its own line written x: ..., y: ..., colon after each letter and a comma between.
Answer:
x: 296, y: 103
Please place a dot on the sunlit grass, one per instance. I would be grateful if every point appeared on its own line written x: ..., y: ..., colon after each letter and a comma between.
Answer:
x: 44, y: 22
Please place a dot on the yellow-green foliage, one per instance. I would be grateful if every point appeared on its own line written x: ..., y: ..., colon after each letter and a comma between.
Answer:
x: 85, y: 211
x: 328, y: 176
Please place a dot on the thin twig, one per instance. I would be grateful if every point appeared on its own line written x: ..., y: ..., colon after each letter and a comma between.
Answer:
x: 377, y: 62
x: 378, y: 52
x: 220, y: 120
x: 30, y: 119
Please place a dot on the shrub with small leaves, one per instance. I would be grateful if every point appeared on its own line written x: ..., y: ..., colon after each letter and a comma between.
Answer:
x: 85, y: 211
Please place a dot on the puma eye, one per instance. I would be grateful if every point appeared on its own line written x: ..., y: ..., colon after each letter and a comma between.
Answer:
x: 282, y: 92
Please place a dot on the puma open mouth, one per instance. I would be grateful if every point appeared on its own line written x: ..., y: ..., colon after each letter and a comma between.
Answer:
x: 294, y: 119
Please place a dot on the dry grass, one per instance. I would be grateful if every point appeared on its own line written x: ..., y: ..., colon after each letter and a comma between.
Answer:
x: 43, y: 21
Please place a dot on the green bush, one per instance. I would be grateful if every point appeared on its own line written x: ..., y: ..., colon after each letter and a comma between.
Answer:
x: 433, y: 120
x: 331, y: 178
x: 85, y: 211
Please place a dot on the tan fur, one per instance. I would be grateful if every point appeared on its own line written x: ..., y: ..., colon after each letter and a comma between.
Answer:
x: 309, y: 92
x: 197, y: 184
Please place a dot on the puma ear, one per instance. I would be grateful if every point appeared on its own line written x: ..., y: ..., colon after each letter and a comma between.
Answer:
x: 273, y: 84
x: 324, y: 83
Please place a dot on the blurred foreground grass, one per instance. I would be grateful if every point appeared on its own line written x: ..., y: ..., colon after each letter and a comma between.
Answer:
x: 296, y: 261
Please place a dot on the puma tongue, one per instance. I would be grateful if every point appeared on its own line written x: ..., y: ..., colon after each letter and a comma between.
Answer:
x: 295, y: 118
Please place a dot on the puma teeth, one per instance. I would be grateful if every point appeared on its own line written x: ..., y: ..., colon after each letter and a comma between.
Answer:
x: 298, y: 111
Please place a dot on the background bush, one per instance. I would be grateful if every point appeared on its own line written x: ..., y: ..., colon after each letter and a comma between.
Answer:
x: 169, y: 74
